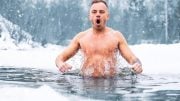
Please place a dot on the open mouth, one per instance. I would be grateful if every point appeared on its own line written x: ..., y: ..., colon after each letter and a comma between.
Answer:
x: 98, y: 21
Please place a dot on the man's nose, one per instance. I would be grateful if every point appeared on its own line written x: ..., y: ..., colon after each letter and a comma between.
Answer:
x: 98, y: 15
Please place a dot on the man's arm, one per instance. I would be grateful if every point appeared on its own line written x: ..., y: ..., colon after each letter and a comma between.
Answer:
x: 128, y: 54
x: 70, y: 51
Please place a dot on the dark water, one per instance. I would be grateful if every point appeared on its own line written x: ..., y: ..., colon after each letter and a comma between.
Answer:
x: 123, y: 87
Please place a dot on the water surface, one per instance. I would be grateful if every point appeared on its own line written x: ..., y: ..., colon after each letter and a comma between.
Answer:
x: 124, y: 87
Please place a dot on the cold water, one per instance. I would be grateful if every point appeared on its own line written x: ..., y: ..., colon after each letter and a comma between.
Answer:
x: 34, y: 32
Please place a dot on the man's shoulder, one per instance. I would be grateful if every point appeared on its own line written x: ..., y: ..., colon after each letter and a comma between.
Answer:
x: 81, y: 34
x: 87, y: 31
x: 115, y: 32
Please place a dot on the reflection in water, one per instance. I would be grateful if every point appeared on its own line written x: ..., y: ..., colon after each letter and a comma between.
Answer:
x: 123, y: 87
x: 102, y: 88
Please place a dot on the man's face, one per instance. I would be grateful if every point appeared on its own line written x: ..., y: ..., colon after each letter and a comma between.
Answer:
x: 98, y: 15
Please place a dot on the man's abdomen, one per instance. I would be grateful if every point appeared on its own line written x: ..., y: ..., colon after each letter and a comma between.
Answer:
x: 99, y: 68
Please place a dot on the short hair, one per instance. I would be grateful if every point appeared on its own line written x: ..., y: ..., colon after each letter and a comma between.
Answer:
x: 98, y: 1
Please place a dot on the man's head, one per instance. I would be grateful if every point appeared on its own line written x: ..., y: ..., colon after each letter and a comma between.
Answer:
x: 98, y: 1
x: 98, y: 14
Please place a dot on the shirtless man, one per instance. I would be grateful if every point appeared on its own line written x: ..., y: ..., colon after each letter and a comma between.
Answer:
x: 99, y: 46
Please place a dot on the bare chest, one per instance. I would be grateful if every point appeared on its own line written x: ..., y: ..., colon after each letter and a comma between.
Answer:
x: 99, y: 45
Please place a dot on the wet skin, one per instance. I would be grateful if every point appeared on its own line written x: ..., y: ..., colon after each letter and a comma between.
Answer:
x: 99, y: 46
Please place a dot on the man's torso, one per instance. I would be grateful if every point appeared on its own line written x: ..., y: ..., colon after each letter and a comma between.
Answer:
x: 99, y: 53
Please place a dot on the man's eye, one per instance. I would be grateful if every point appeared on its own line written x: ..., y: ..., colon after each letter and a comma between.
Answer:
x: 102, y: 11
x: 94, y: 11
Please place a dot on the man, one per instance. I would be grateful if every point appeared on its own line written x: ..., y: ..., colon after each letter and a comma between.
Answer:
x: 99, y: 46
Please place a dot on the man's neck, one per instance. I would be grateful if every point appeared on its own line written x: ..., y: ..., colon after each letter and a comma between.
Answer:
x: 99, y: 31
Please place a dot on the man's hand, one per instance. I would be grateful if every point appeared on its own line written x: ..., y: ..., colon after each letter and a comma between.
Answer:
x: 137, y: 68
x: 64, y: 67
